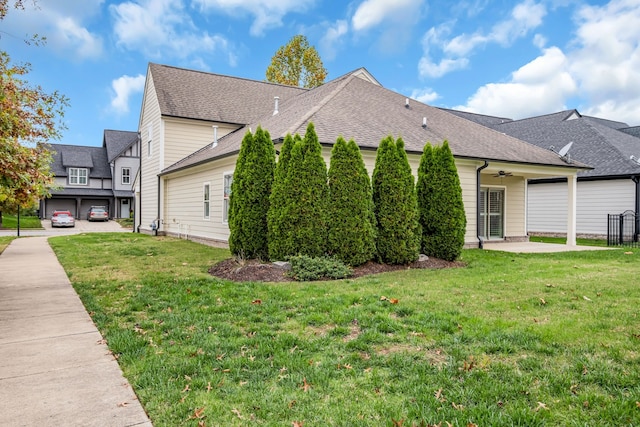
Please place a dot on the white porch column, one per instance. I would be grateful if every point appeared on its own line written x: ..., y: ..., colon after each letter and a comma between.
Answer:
x: 572, y: 190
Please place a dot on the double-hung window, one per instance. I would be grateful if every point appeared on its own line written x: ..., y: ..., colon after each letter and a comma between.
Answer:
x: 227, y: 180
x: 206, y: 201
x: 78, y: 176
x: 126, y: 175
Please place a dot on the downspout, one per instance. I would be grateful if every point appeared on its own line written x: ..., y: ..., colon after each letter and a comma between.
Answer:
x: 636, y: 180
x: 139, y: 201
x: 478, y: 216
x: 158, y: 216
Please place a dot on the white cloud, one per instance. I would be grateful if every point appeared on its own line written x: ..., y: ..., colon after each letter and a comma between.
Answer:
x: 455, y: 52
x: 62, y: 22
x: 371, y: 13
x: 539, y: 87
x: 332, y: 39
x: 267, y: 14
x: 160, y: 28
x: 78, y: 38
x: 394, y: 20
x: 426, y: 95
x: 605, y: 59
x: 123, y: 87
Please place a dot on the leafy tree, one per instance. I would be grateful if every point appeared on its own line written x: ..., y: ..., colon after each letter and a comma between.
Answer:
x: 297, y: 64
x: 277, y: 220
x: 395, y: 205
x: 441, y: 206
x: 29, y: 118
x: 307, y: 196
x: 351, y: 220
x: 250, y: 191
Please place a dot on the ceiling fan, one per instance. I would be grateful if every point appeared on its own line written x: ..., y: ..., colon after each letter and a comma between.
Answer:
x: 502, y: 174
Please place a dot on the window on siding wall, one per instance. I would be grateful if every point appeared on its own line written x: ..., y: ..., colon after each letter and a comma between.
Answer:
x: 126, y: 175
x: 206, y: 201
x: 78, y: 176
x: 149, y: 139
x: 227, y: 180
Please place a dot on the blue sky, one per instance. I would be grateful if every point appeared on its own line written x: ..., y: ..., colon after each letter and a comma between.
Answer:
x: 505, y: 58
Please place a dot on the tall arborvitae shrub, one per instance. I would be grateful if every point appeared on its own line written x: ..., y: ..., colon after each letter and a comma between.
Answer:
x: 395, y: 205
x: 250, y: 191
x: 307, y: 196
x: 277, y: 219
x: 446, y: 215
x: 426, y: 193
x: 351, y: 221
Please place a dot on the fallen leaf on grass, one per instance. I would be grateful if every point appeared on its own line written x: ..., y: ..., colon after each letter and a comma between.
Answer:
x: 298, y: 423
x: 540, y: 406
x: 638, y: 405
x: 458, y: 407
x: 305, y: 385
x: 393, y: 301
x: 586, y: 298
x: 256, y: 301
x: 628, y: 253
x: 208, y: 386
x: 542, y: 301
x: 242, y: 383
x: 186, y: 388
x: 198, y: 413
x: 237, y: 413
x: 397, y: 423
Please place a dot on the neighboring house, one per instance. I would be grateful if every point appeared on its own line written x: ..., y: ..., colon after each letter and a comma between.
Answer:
x: 192, y: 124
x: 611, y: 187
x: 89, y: 176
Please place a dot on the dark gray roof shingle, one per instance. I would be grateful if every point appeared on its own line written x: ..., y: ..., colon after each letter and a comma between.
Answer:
x: 595, y: 142
x: 214, y: 97
x: 354, y: 108
x: 117, y: 141
x: 93, y: 158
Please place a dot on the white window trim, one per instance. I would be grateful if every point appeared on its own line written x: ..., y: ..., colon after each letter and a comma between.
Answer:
x: 149, y: 141
x: 206, y: 201
x: 128, y: 175
x: 77, y: 176
x: 225, y: 200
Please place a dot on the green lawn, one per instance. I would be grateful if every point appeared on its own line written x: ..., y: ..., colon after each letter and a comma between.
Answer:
x: 511, y: 339
x: 11, y: 222
x: 4, y: 242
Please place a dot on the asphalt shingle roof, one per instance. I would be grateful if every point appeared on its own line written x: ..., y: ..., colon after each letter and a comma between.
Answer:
x: 93, y: 158
x: 352, y: 107
x: 117, y: 141
x: 207, y: 96
x: 596, y: 142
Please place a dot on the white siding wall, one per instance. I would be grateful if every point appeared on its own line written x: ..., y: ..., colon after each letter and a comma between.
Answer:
x: 150, y: 119
x: 547, y: 207
x: 184, y: 201
x: 184, y: 137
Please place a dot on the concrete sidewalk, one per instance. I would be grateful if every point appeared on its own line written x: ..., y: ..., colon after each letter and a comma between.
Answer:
x: 55, y: 369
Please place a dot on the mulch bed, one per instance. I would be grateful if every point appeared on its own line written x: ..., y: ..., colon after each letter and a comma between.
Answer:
x: 257, y: 271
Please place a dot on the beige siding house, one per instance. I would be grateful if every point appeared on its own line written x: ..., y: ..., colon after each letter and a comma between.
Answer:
x: 192, y: 124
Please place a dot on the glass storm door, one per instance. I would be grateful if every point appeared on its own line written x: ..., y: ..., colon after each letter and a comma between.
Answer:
x: 491, y: 213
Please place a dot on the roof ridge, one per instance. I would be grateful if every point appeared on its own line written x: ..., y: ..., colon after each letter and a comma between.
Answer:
x: 541, y: 116
x: 595, y: 126
x: 209, y: 73
x: 340, y: 85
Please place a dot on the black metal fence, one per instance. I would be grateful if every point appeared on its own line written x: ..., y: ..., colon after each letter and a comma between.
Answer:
x: 623, y: 229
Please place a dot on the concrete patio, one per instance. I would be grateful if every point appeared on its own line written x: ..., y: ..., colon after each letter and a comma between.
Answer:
x: 536, y: 247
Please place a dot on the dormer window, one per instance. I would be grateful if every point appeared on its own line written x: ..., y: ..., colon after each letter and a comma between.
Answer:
x: 78, y: 176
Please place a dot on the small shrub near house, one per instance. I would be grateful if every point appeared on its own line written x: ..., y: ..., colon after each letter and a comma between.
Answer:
x: 305, y: 268
x: 395, y: 205
x: 351, y: 219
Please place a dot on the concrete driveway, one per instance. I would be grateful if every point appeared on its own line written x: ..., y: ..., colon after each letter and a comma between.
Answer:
x: 82, y: 226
